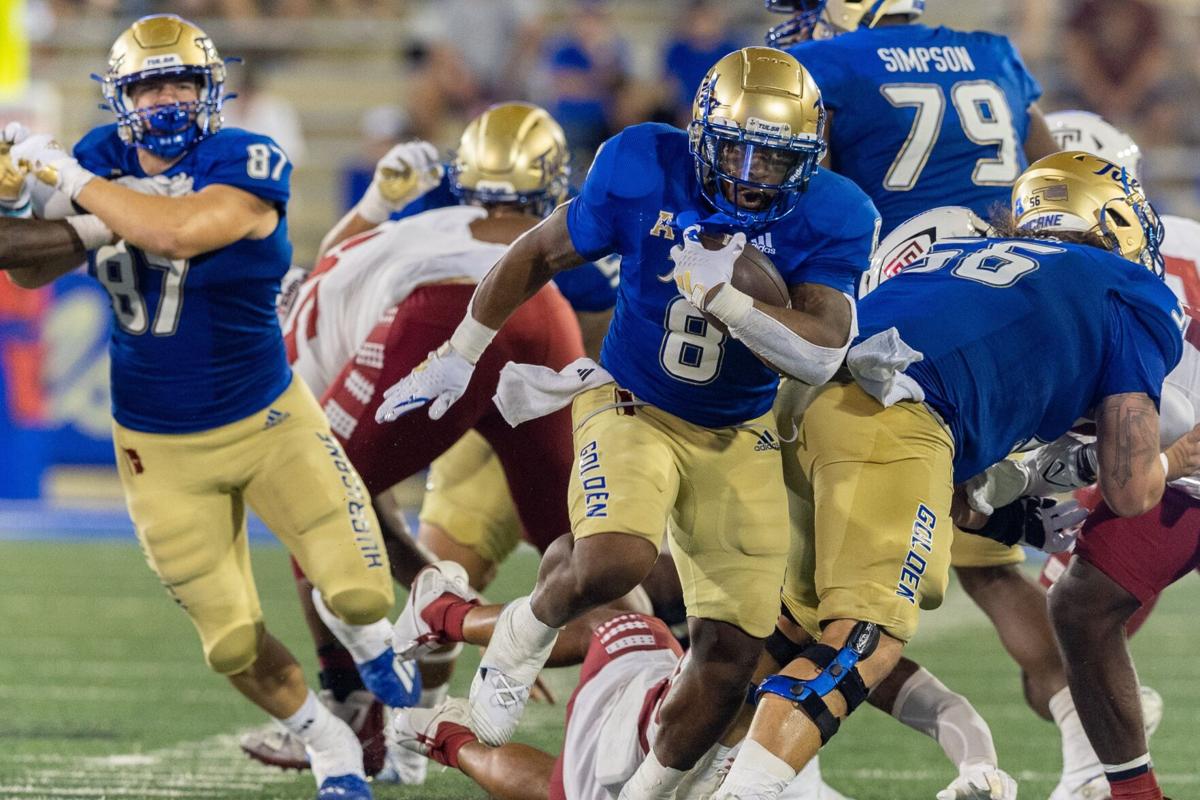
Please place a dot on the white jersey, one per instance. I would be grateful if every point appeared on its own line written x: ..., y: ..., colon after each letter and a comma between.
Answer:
x: 358, y: 281
x: 1181, y: 252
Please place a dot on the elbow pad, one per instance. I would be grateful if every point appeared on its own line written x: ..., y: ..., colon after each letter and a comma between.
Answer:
x: 778, y: 344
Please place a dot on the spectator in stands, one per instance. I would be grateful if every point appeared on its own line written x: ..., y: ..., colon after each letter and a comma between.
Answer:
x: 443, y: 91
x: 587, y: 66
x: 258, y: 109
x: 699, y: 41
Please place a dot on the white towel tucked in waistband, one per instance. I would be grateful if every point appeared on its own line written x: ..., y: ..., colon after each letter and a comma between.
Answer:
x: 878, y: 365
x: 529, y: 391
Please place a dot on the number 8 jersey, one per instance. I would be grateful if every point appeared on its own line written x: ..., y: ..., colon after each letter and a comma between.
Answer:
x: 658, y: 345
x: 924, y: 117
x: 196, y: 343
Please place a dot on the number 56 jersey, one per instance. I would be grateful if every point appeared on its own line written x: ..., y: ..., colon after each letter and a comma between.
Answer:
x: 658, y: 345
x: 196, y: 343
x: 922, y: 116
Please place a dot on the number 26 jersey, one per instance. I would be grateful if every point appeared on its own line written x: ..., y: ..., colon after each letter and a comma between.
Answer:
x: 196, y: 343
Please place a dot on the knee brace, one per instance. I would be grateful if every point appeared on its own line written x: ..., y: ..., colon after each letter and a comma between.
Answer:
x: 839, y: 671
x: 360, y: 606
x: 235, y: 651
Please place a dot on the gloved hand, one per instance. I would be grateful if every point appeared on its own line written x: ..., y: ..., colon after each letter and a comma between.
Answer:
x: 698, y: 270
x: 1045, y: 523
x: 408, y: 171
x: 161, y: 185
x: 997, y: 486
x: 439, y: 380
x: 52, y: 165
x: 980, y: 781
x: 14, y: 184
x: 1065, y: 464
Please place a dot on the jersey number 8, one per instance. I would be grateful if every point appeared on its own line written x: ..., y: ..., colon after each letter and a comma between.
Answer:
x: 692, y: 350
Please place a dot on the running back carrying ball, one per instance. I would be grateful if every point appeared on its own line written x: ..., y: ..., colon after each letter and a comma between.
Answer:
x: 753, y: 274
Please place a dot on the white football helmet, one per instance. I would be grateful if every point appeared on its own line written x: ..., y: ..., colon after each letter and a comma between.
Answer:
x: 913, y: 238
x: 1083, y: 130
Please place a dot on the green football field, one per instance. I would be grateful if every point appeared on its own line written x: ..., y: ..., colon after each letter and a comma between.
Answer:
x: 103, y: 693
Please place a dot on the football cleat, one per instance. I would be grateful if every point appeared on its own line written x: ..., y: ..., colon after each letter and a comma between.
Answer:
x: 344, y: 787
x: 413, y: 635
x: 403, y: 767
x: 273, y: 746
x: 426, y: 731
x: 506, y: 673
x: 1152, y: 710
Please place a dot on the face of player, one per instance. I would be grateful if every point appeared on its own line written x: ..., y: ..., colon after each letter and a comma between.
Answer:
x: 756, y: 164
x: 164, y: 91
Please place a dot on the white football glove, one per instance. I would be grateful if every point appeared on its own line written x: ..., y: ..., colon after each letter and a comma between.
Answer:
x: 408, y: 171
x: 697, y: 270
x: 439, y: 380
x: 980, y: 781
x: 997, y: 486
x: 160, y: 185
x: 1065, y: 464
x: 52, y: 165
x: 14, y: 184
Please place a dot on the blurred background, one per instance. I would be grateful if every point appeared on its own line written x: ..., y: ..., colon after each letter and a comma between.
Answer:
x: 337, y: 82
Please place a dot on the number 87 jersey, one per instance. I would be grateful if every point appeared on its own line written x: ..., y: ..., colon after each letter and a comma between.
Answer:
x: 924, y: 117
x: 196, y: 343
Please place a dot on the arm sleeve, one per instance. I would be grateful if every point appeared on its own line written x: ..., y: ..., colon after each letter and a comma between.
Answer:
x: 591, y: 215
x: 254, y: 164
x: 1136, y: 361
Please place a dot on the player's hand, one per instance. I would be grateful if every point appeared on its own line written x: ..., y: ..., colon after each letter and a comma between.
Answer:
x: 1183, y: 457
x: 980, y: 781
x: 1065, y: 464
x: 699, y: 270
x: 14, y: 188
x: 997, y: 486
x: 439, y: 380
x: 52, y: 165
x: 408, y: 171
x: 1051, y: 525
x: 161, y: 185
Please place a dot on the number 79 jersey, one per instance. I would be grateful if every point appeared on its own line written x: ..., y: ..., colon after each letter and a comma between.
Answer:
x: 196, y: 343
x: 658, y: 345
x: 924, y: 117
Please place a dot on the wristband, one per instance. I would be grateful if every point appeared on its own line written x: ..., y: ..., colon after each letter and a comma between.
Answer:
x: 730, y: 305
x: 91, y: 230
x: 471, y: 338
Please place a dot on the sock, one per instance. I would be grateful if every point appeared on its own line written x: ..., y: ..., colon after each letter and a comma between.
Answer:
x: 332, y: 747
x: 926, y: 705
x: 1079, y: 759
x: 652, y: 781
x: 523, y: 620
x: 445, y: 616
x: 1133, y: 780
x: 757, y: 773
x: 338, y: 674
x: 365, y: 642
x: 432, y: 695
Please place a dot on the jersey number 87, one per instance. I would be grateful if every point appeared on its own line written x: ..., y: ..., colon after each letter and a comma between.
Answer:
x: 116, y: 267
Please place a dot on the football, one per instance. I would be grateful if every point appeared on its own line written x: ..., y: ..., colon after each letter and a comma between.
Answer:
x: 754, y: 274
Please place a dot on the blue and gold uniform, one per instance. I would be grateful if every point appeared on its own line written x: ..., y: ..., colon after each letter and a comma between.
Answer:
x: 924, y: 117
x: 882, y: 477
x: 684, y: 436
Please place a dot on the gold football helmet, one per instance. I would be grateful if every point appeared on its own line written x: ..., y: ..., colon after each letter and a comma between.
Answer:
x: 512, y: 153
x: 1077, y: 191
x: 164, y: 45
x: 756, y: 134
x: 821, y: 19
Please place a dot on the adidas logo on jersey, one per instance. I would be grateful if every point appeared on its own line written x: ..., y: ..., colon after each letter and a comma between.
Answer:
x: 274, y: 417
x: 763, y: 243
x: 584, y: 373
x: 766, y: 441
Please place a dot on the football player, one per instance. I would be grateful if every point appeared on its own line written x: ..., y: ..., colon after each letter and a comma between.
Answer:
x: 916, y: 114
x: 937, y: 398
x: 1107, y: 591
x: 207, y: 415
x: 681, y: 438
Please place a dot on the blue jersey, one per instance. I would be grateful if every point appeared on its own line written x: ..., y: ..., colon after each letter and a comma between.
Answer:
x: 1021, y: 338
x: 658, y: 345
x: 197, y: 343
x: 590, y: 287
x: 924, y: 117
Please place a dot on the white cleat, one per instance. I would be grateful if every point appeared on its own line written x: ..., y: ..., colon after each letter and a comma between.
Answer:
x: 506, y: 673
x: 1093, y: 788
x: 1152, y: 710
x: 403, y: 767
x: 412, y: 635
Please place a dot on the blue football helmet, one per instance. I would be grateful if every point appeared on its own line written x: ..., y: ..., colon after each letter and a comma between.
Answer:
x: 821, y: 19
